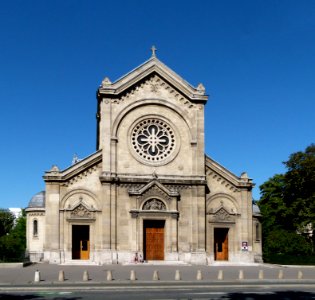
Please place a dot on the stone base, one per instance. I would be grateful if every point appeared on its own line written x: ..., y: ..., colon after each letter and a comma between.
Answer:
x: 239, y: 257
x: 194, y: 258
x: 35, y: 256
x: 52, y: 257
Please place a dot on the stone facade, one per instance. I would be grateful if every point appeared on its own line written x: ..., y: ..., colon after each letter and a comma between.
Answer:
x: 148, y: 190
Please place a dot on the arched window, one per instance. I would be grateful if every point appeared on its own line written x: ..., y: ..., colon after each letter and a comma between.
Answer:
x: 257, y: 229
x: 35, y: 228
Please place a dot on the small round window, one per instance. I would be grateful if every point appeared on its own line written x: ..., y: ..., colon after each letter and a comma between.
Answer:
x: 153, y: 140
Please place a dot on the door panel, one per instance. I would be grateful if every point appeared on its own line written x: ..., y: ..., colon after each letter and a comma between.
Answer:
x: 85, y: 249
x: 153, y: 240
x: 221, y: 244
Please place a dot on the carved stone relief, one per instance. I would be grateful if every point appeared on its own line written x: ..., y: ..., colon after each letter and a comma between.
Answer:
x: 80, y: 212
x: 222, y: 216
x: 154, y: 204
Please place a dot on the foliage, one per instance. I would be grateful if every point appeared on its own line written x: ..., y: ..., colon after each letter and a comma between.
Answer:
x: 6, y: 221
x: 288, y: 242
x: 287, y: 205
x: 12, y: 245
x: 300, y: 187
x: 290, y: 259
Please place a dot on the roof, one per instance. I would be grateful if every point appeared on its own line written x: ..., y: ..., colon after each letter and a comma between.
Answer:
x: 256, y: 210
x: 38, y: 200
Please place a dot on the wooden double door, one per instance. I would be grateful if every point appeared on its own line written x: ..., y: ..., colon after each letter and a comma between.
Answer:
x: 221, y: 243
x: 153, y: 239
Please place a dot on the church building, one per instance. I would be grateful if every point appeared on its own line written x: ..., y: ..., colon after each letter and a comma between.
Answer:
x: 149, y: 190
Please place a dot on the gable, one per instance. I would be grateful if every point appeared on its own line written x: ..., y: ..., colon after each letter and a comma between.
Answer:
x: 151, y: 67
x: 75, y: 172
x: 219, y: 175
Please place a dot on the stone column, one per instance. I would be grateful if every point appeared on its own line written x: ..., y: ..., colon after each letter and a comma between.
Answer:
x: 52, y: 228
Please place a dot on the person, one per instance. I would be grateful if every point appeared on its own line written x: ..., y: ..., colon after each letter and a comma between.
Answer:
x: 136, y: 257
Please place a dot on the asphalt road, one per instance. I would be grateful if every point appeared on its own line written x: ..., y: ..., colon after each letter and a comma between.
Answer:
x: 169, y: 292
x: 19, y: 283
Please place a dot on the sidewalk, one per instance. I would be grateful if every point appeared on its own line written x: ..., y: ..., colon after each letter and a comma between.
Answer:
x: 144, y: 273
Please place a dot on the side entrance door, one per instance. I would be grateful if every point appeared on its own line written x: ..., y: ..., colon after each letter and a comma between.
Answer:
x: 81, y: 242
x: 221, y: 243
x: 153, y: 239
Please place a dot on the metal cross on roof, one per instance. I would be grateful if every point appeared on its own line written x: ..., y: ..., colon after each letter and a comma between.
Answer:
x: 153, y: 49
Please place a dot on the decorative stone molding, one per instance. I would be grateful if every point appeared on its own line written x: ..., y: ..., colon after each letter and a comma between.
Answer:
x: 82, y: 175
x: 33, y: 214
x: 135, y: 213
x: 154, y: 204
x: 177, y: 188
x: 132, y: 188
x: 153, y: 85
x: 221, y: 216
x: 154, y: 189
x: 175, y: 215
x: 220, y: 179
x: 81, y: 212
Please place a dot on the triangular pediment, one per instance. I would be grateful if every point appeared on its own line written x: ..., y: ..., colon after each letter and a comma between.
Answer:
x: 221, y: 215
x: 81, y: 168
x: 154, y: 187
x: 81, y: 211
x: 227, y: 178
x: 151, y: 67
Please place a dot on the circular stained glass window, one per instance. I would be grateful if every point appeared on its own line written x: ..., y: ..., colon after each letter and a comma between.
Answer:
x: 153, y: 140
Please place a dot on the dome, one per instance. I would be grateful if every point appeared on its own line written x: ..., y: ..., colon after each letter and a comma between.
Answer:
x: 256, y: 210
x: 37, y: 200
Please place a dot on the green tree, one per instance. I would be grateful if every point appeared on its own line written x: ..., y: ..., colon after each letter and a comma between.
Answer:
x: 299, y: 193
x: 287, y: 205
x: 6, y: 221
x: 13, y: 243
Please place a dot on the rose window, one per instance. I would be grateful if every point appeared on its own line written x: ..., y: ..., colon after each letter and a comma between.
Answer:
x: 153, y: 140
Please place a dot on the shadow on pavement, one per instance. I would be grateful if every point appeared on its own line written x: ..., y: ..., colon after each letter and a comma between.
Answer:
x: 4, y: 296
x: 283, y: 295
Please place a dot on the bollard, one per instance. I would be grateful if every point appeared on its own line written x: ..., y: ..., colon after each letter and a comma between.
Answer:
x: 37, y: 276
x: 220, y: 275
x: 109, y: 276
x: 177, y: 275
x: 156, y: 275
x: 86, y: 276
x: 132, y: 275
x: 241, y: 275
x: 300, y: 275
x: 261, y: 274
x: 61, y: 276
x: 199, y: 275
x: 280, y: 275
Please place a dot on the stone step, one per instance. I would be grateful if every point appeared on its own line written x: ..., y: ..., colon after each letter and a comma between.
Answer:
x: 79, y: 262
x: 160, y: 262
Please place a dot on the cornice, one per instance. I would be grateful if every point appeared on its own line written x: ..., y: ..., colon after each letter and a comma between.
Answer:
x: 54, y: 175
x: 147, y: 178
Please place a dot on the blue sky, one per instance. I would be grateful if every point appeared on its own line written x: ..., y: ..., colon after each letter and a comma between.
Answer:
x: 255, y: 58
